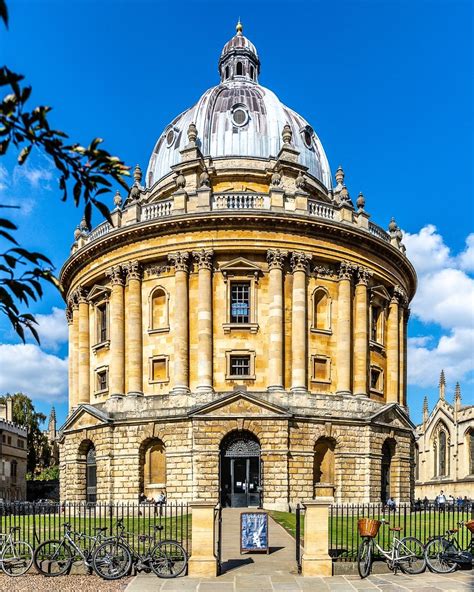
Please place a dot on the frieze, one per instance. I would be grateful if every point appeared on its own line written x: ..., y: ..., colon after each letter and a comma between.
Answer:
x: 156, y: 269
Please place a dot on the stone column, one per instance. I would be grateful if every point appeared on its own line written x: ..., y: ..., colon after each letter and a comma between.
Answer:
x: 344, y: 328
x: 276, y: 261
x: 316, y: 561
x: 203, y: 259
x: 402, y: 375
x: 393, y: 348
x: 134, y: 343
x: 299, y: 338
x: 203, y: 562
x: 361, y: 333
x: 117, y: 332
x: 181, y: 322
x: 73, y: 322
x: 83, y: 392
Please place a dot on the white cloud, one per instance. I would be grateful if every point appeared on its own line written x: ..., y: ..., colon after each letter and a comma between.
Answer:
x: 20, y: 186
x: 52, y: 328
x: 28, y: 369
x: 35, y: 176
x: 445, y: 297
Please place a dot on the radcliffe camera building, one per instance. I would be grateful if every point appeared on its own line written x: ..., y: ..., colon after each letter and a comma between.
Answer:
x: 240, y: 332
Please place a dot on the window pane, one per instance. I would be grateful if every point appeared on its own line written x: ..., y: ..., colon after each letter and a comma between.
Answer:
x: 159, y: 369
x: 240, y: 365
x: 240, y: 303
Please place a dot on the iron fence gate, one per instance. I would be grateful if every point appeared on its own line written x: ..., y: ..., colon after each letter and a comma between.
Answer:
x: 218, y: 537
x: 298, y: 542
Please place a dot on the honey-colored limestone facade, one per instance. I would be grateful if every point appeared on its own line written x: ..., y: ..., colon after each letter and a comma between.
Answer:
x: 239, y: 333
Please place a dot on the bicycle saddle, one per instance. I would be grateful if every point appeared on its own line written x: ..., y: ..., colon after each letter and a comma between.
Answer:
x: 396, y: 528
x: 160, y: 527
x: 100, y: 528
x: 15, y: 529
x: 144, y: 537
x: 453, y: 530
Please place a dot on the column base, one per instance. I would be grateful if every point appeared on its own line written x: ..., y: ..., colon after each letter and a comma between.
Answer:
x: 361, y: 395
x: 299, y: 390
x: 204, y: 389
x: 275, y: 388
x: 135, y: 394
x: 117, y: 396
x: 343, y: 393
x: 180, y: 390
x: 316, y: 566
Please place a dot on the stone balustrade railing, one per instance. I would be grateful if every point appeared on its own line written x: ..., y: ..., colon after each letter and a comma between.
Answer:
x: 241, y: 201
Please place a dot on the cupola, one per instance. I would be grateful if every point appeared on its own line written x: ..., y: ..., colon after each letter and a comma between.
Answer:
x: 239, y: 59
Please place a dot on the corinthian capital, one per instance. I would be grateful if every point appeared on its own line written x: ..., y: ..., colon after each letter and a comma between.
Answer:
x: 69, y: 314
x: 363, y: 276
x: 399, y: 296
x: 299, y: 261
x: 115, y: 275
x: 81, y: 295
x: 346, y: 270
x: 133, y: 270
x: 203, y: 258
x: 276, y: 258
x: 179, y: 260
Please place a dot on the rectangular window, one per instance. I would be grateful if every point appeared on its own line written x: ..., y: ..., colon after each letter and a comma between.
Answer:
x: 159, y: 370
x: 9, y: 440
x: 240, y: 302
x: 20, y: 443
x: 13, y: 468
x: 102, y: 380
x: 375, y: 321
x: 102, y: 333
x: 320, y: 369
x: 376, y: 379
x: 240, y: 366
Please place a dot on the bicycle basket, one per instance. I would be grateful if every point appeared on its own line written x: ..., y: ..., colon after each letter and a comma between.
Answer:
x: 368, y: 527
x: 470, y: 525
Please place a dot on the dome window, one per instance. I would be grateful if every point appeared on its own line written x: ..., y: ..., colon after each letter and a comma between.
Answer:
x: 170, y: 136
x: 240, y: 115
x: 227, y: 72
x: 307, y: 134
x: 240, y: 69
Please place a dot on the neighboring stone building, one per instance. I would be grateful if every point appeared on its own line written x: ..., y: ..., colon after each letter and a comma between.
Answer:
x: 444, y: 450
x: 13, y: 452
x: 240, y: 333
x: 52, y: 436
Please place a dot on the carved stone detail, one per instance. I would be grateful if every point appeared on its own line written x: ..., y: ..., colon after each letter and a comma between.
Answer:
x: 276, y: 258
x: 346, y: 270
x: 156, y: 269
x: 179, y: 260
x: 299, y: 262
x: 133, y: 270
x: 81, y: 295
x: 115, y: 275
x: 363, y: 276
x: 203, y: 258
x: 69, y: 313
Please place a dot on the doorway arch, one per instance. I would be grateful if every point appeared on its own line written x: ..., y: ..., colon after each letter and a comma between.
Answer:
x: 388, y: 452
x: 240, y: 470
x: 91, y: 475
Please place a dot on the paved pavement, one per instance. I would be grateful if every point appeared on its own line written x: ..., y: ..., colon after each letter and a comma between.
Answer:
x: 276, y: 572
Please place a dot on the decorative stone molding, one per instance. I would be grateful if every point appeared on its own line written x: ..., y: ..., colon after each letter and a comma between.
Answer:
x: 179, y: 260
x: 346, y: 270
x: 81, y: 295
x: 399, y: 296
x: 363, y: 276
x: 69, y: 314
x: 192, y: 133
x: 203, y: 258
x: 276, y: 258
x: 204, y: 179
x: 115, y: 275
x: 132, y: 270
x: 299, y: 261
x: 180, y: 180
x: 156, y: 270
x: 324, y: 271
x: 276, y: 179
x: 286, y: 134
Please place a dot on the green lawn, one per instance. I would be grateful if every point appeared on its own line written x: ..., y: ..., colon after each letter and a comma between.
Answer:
x: 344, y: 539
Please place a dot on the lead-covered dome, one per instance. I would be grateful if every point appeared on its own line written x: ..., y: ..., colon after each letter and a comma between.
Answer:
x: 239, y: 118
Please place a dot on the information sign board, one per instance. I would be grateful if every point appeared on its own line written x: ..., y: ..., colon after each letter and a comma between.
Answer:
x: 254, y: 532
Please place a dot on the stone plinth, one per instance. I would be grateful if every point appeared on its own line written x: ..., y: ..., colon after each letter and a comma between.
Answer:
x: 202, y: 562
x: 316, y: 561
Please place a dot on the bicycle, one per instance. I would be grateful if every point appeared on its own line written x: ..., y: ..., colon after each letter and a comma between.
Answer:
x: 16, y: 557
x: 408, y: 553
x: 444, y: 553
x: 55, y: 557
x: 167, y: 558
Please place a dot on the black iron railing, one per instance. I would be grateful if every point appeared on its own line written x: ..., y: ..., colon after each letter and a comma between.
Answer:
x: 42, y: 521
x: 422, y: 522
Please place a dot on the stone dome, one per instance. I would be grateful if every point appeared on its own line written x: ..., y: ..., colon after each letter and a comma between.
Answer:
x: 239, y: 118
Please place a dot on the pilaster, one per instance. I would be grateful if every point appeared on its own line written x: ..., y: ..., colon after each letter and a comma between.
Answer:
x: 393, y: 348
x: 203, y: 260
x: 344, y: 327
x: 361, y: 333
x: 276, y: 261
x: 84, y: 348
x: 117, y: 332
x: 180, y: 261
x: 134, y: 343
x: 299, y: 338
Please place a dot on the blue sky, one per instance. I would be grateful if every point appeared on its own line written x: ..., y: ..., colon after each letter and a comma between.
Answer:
x: 386, y: 85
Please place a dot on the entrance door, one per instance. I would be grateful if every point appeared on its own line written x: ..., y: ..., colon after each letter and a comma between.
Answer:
x: 240, y: 471
x: 91, y: 476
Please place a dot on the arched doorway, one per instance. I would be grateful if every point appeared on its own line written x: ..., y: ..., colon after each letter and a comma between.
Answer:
x: 323, y: 467
x: 240, y: 474
x: 152, y: 468
x: 91, y: 475
x: 388, y: 450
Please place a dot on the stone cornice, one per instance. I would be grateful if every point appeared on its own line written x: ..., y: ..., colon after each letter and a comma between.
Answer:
x: 285, y: 223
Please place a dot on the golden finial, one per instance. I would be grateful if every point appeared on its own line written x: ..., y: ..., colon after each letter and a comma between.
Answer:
x: 239, y: 28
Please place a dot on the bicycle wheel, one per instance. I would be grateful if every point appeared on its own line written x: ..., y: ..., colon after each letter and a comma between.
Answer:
x: 437, y: 557
x: 364, y: 557
x: 112, y: 560
x: 168, y: 559
x: 53, y: 558
x: 410, y: 555
x: 17, y: 558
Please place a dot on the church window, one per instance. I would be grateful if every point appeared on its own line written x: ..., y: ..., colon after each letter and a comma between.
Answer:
x: 321, y: 310
x: 442, y: 465
x: 159, y: 369
x: 324, y: 461
x: 102, y: 322
x: 102, y: 379
x: 376, y: 379
x: 240, y: 302
x: 159, y: 310
x: 240, y: 69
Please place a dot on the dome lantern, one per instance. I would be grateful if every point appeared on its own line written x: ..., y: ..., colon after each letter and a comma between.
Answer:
x: 239, y: 59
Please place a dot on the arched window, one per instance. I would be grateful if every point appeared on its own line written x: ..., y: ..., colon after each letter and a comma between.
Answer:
x: 252, y: 72
x: 471, y: 452
x: 91, y: 475
x: 159, y: 314
x: 321, y: 310
x: 227, y: 72
x: 153, y: 467
x: 388, y: 452
x: 324, y: 461
x: 442, y: 456
x: 240, y: 69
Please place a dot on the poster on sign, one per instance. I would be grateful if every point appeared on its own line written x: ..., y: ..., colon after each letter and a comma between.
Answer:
x: 254, y: 532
